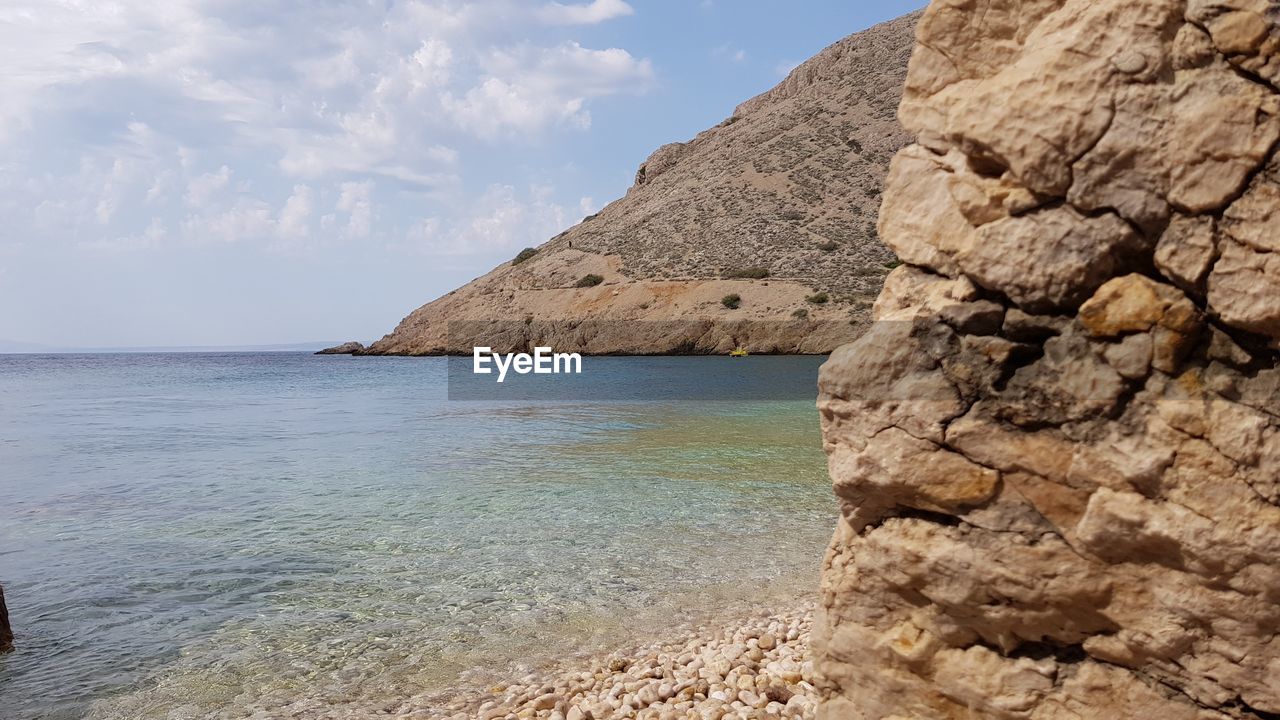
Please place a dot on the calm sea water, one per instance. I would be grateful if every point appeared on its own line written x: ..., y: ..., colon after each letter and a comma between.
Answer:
x: 191, y: 536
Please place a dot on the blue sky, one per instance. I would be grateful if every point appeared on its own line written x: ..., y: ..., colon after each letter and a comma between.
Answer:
x: 232, y: 172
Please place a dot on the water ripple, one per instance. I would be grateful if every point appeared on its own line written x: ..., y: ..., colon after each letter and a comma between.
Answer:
x: 186, y: 536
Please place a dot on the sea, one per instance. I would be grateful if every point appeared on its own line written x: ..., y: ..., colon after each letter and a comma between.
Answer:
x: 222, y: 535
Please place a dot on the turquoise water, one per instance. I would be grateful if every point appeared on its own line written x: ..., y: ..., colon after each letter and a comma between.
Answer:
x: 189, y: 536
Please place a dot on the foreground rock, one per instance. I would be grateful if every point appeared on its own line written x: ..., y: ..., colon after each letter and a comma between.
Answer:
x: 1058, y: 451
x: 788, y: 185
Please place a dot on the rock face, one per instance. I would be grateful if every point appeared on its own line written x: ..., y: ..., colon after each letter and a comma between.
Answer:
x: 1057, y: 451
x: 789, y: 184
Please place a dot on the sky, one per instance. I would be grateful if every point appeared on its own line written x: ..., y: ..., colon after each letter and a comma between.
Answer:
x: 241, y: 172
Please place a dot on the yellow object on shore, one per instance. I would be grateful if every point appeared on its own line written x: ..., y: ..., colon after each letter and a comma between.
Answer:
x: 738, y: 352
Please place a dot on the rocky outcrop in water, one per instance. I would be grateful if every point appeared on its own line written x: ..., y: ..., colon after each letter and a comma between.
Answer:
x: 6, y: 632
x: 346, y: 348
x: 1057, y: 452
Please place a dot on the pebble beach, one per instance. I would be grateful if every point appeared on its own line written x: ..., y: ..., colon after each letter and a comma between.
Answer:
x: 755, y: 669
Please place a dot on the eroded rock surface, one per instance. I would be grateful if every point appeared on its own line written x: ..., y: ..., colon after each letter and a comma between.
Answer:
x: 1057, y: 452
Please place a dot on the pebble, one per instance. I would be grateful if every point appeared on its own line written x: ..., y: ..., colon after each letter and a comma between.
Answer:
x: 756, y: 669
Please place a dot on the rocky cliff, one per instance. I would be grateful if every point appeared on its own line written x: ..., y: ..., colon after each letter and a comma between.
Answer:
x: 776, y: 205
x: 1057, y: 451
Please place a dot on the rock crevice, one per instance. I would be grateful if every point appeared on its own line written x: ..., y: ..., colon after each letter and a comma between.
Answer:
x: 1057, y: 449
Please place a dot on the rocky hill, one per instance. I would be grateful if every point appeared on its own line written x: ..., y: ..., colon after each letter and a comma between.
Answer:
x: 1057, y: 451
x: 776, y: 205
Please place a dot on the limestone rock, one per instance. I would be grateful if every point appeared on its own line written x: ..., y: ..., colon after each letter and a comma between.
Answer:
x: 1002, y: 249
x: 1244, y: 31
x: 662, y: 160
x: 1057, y: 451
x: 1186, y: 251
x: 1244, y: 283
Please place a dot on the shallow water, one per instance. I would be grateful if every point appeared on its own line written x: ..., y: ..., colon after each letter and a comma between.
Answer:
x: 192, y: 536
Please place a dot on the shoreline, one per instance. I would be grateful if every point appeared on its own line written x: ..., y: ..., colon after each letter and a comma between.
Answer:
x: 745, y: 661
x: 702, y: 652
x: 752, y: 668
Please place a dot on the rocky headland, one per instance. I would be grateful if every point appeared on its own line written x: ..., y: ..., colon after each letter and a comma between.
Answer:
x: 775, y: 206
x: 1057, y: 450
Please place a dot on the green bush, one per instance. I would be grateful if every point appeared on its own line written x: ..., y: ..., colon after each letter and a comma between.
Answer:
x: 589, y: 281
x: 892, y: 264
x: 523, y: 255
x: 750, y: 273
x: 818, y: 298
x: 731, y: 301
x: 801, y: 313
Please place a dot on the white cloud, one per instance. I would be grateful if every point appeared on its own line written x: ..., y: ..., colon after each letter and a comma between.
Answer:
x: 531, y: 88
x: 570, y: 69
x: 202, y: 189
x: 497, y: 106
x: 295, y: 217
x: 122, y: 121
x: 125, y: 173
x: 598, y: 11
x: 151, y: 237
x: 307, y: 79
x: 730, y: 53
x: 247, y: 219
x: 429, y: 66
x: 500, y: 219
x: 73, y: 205
x: 355, y: 202
x: 106, y: 208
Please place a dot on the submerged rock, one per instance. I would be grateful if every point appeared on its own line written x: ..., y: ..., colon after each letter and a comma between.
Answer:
x: 1058, y: 450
